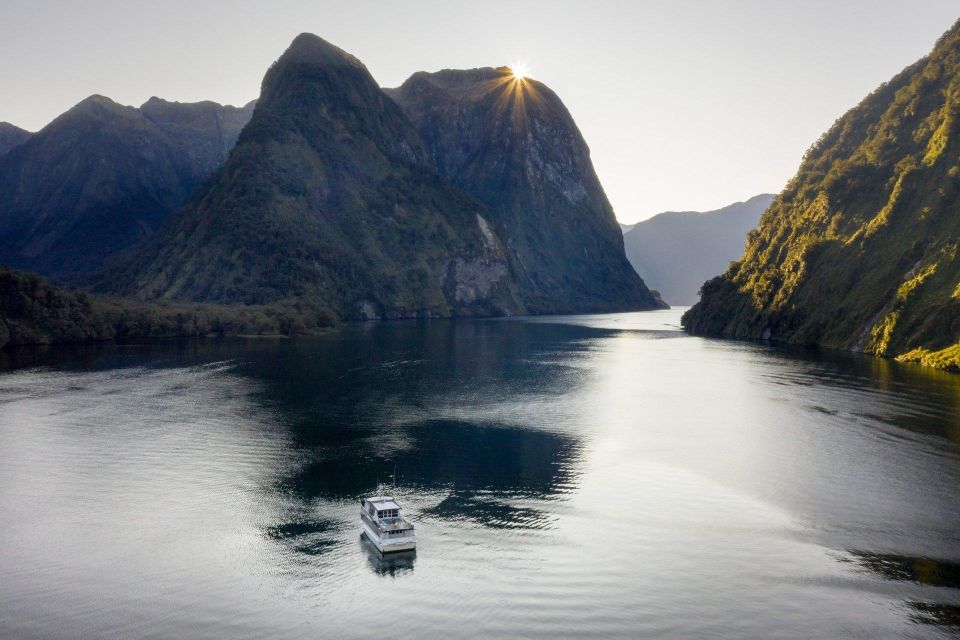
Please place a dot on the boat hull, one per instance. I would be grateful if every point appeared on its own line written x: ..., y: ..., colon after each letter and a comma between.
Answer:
x: 405, y: 543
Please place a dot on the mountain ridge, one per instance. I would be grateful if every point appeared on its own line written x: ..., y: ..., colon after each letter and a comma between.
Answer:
x: 675, y: 251
x: 11, y: 136
x: 102, y: 176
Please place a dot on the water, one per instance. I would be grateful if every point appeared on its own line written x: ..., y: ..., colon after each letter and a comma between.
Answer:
x: 570, y: 477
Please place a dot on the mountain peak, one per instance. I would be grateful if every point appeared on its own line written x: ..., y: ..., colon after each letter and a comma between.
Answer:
x: 97, y: 105
x: 308, y: 48
x: 513, y: 145
x: 97, y: 99
x: 11, y: 136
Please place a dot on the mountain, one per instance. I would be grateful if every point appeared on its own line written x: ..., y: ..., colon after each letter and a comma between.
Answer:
x: 102, y: 176
x: 10, y: 137
x: 511, y: 143
x: 675, y: 251
x: 204, y: 132
x: 331, y: 196
x: 860, y: 250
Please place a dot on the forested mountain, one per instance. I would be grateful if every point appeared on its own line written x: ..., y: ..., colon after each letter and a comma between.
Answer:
x: 860, y: 251
x: 675, y: 251
x: 332, y: 194
x: 102, y: 176
x: 511, y: 143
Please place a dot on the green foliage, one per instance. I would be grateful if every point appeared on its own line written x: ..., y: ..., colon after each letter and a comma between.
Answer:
x: 35, y: 312
x: 860, y: 250
x: 945, y: 359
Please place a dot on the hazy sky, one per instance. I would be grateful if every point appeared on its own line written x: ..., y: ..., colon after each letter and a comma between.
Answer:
x: 685, y: 105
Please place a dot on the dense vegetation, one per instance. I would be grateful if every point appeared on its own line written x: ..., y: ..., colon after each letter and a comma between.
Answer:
x: 513, y: 145
x: 33, y: 311
x: 102, y: 176
x: 860, y: 250
x: 675, y: 251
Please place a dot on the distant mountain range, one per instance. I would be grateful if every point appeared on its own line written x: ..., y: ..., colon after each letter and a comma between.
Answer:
x: 862, y: 249
x: 103, y: 176
x: 676, y: 251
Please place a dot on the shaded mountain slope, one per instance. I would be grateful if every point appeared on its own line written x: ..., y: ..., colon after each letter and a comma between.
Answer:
x: 512, y: 144
x: 11, y: 136
x: 329, y: 196
x: 860, y: 251
x: 102, y: 176
x: 676, y: 251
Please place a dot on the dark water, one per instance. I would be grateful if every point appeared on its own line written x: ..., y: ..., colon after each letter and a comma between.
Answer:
x: 570, y: 477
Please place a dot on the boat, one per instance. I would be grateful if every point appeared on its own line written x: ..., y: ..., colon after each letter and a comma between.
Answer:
x: 385, y: 526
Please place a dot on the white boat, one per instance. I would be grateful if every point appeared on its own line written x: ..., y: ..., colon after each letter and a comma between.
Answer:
x: 385, y: 526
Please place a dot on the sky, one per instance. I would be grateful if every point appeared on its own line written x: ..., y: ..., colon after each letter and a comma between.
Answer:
x: 686, y: 105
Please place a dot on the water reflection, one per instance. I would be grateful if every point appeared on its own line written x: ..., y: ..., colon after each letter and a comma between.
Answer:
x: 938, y: 578
x: 219, y: 479
x: 394, y: 564
x: 312, y: 537
x: 941, y: 615
x: 925, y: 571
x: 490, y: 512
x: 444, y: 454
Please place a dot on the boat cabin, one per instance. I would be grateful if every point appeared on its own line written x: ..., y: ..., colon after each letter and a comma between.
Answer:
x: 382, y: 508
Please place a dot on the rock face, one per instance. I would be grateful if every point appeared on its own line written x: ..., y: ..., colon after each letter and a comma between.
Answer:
x: 204, y: 132
x: 10, y: 137
x: 328, y: 196
x: 102, y: 176
x: 860, y: 251
x: 511, y: 143
x: 675, y: 251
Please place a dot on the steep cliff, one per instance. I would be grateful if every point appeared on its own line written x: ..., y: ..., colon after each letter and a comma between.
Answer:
x: 511, y: 143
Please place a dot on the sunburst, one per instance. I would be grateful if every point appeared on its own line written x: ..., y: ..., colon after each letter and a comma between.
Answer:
x: 520, y: 71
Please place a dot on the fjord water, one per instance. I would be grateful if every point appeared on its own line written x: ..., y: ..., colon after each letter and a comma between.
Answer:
x: 570, y: 477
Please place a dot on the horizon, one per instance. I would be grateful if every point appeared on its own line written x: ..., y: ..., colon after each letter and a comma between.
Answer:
x: 727, y: 124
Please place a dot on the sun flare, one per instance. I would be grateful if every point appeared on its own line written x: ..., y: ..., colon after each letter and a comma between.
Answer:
x: 520, y: 71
